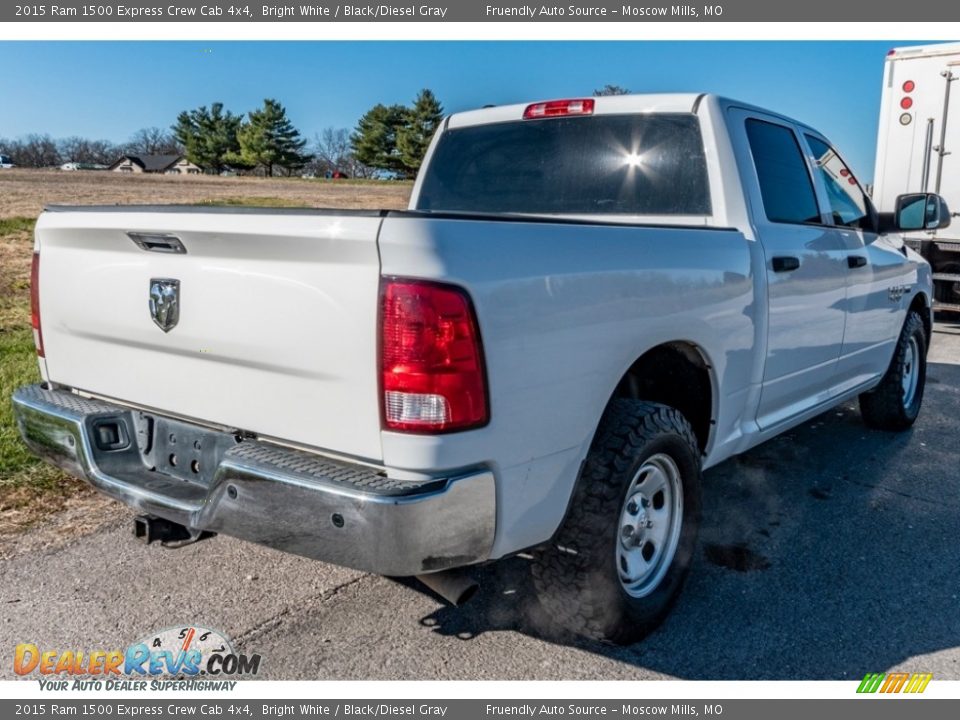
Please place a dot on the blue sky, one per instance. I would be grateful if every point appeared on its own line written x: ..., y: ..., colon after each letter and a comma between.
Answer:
x: 109, y: 90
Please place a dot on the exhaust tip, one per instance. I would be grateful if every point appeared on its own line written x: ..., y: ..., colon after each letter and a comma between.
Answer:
x: 468, y: 594
x: 457, y: 587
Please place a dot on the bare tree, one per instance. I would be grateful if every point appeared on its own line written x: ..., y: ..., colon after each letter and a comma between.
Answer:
x: 102, y: 152
x: 92, y: 152
x: 357, y: 169
x: 153, y: 141
x: 36, y: 151
x: 333, y: 151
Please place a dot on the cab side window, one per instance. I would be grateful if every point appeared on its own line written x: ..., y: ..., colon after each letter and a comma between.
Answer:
x: 785, y: 183
x: 848, y: 204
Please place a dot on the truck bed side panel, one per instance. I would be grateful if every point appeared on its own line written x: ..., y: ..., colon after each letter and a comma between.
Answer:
x: 564, y: 310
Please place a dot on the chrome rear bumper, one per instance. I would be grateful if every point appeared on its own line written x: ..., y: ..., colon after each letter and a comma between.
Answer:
x: 299, y: 502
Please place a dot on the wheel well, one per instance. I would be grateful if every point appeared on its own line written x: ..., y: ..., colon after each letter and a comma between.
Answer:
x: 675, y: 374
x: 921, y: 305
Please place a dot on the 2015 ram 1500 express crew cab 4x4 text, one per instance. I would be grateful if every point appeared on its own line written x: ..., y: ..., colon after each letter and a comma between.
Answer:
x: 588, y: 302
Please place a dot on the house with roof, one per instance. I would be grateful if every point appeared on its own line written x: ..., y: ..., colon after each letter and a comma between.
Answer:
x: 163, y: 164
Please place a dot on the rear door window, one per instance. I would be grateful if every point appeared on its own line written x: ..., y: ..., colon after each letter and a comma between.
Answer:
x: 785, y: 183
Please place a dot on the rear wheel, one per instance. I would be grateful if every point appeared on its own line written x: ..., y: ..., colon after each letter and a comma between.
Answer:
x: 895, y: 403
x: 618, y: 562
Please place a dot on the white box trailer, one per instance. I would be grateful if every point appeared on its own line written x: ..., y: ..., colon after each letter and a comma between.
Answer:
x: 918, y: 150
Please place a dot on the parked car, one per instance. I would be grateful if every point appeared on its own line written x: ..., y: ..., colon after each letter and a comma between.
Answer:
x: 74, y: 166
x: 587, y: 303
x: 6, y: 162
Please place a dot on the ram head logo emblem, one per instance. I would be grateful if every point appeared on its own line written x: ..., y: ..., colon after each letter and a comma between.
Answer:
x: 165, y: 302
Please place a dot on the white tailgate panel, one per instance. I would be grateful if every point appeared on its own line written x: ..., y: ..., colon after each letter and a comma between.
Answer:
x: 277, y: 328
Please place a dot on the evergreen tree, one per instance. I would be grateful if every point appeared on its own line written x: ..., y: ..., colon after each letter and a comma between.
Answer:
x: 209, y: 137
x: 268, y: 139
x: 374, y: 141
x: 413, y: 138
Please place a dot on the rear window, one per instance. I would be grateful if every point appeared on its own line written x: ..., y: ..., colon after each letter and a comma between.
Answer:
x: 606, y: 164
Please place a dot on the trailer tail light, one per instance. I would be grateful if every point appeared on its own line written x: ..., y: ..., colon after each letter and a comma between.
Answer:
x: 431, y: 358
x: 906, y: 103
x: 909, y: 86
x: 558, y: 108
x: 35, y: 303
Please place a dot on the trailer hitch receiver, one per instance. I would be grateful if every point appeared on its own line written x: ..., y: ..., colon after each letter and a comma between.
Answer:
x: 150, y: 528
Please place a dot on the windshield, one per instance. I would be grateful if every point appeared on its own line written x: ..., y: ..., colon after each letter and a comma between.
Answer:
x: 607, y: 164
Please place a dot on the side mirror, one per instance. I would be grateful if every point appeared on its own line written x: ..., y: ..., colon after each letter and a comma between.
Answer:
x: 921, y: 211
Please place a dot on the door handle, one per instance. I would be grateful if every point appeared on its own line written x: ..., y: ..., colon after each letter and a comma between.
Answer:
x: 856, y: 261
x: 785, y: 263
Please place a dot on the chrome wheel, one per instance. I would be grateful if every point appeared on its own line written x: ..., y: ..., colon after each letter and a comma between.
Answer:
x: 649, y: 527
x: 911, y: 372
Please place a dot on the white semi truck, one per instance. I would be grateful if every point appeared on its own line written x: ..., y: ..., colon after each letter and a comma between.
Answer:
x: 918, y: 149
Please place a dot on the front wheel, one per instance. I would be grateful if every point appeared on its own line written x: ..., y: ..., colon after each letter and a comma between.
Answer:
x: 895, y: 403
x: 619, y: 560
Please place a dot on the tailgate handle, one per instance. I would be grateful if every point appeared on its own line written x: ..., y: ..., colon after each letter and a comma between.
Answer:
x: 156, y: 242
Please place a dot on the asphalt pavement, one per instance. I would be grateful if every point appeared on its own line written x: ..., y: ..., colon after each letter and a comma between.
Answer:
x: 826, y: 553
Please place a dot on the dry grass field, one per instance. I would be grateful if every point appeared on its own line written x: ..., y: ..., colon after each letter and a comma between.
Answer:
x: 29, y: 490
x: 23, y: 193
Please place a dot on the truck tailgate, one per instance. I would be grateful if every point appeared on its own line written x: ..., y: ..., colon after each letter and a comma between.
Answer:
x: 277, y: 323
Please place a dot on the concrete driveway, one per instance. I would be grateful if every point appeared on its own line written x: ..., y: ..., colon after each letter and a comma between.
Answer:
x: 828, y: 552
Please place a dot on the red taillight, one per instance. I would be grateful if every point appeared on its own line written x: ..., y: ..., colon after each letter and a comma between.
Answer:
x: 431, y: 359
x: 906, y: 103
x: 35, y: 303
x: 558, y: 108
x: 909, y: 86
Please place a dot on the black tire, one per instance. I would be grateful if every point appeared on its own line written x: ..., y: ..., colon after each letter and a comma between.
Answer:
x: 885, y: 407
x: 577, y: 577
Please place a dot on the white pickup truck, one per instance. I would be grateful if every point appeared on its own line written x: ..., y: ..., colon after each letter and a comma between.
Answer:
x: 587, y: 302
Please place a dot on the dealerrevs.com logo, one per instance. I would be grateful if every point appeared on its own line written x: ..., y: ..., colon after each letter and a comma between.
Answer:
x: 178, y: 658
